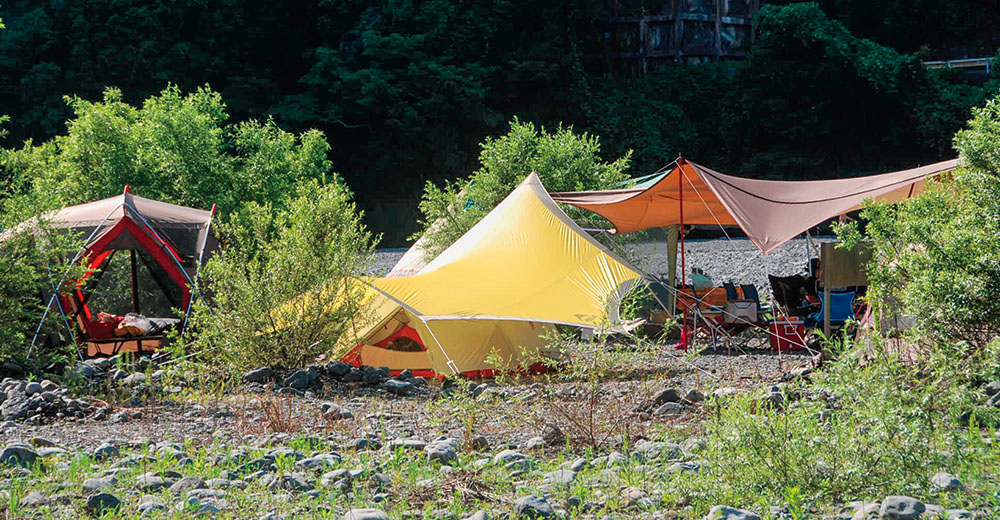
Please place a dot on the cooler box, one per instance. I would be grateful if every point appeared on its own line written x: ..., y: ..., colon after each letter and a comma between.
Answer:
x: 787, y: 334
x: 740, y: 312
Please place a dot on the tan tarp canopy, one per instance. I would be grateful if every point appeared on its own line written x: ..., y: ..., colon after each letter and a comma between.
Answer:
x: 769, y: 212
x: 187, y: 229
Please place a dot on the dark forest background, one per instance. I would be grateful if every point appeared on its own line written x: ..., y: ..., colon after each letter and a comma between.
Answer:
x: 406, y: 90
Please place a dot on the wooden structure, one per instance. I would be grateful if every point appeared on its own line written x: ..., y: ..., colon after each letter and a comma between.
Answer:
x: 841, y: 268
x: 641, y: 35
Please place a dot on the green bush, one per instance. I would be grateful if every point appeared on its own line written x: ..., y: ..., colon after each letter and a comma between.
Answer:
x: 279, y: 282
x: 564, y: 160
x: 859, y: 431
x: 175, y: 147
x: 31, y: 263
x: 937, y: 255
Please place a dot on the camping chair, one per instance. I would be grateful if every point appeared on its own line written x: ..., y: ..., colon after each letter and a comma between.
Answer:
x: 841, y: 309
x: 788, y: 294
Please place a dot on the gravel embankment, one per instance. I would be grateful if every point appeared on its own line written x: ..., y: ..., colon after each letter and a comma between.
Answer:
x: 722, y: 259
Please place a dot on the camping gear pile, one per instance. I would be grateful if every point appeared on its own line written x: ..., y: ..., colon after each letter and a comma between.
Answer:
x: 769, y: 212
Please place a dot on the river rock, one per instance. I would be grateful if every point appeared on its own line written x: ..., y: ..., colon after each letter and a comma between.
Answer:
x: 533, y: 507
x: 944, y: 482
x: 901, y: 508
x: 101, y: 503
x: 18, y: 455
x: 730, y: 513
x: 366, y: 514
x: 187, y: 484
x: 259, y: 375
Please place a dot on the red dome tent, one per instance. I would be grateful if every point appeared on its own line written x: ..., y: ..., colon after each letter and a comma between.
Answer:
x: 154, y: 246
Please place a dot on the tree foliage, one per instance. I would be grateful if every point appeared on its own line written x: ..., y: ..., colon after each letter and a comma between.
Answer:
x: 937, y: 256
x: 563, y: 159
x: 175, y: 147
x: 284, y: 286
x: 407, y: 90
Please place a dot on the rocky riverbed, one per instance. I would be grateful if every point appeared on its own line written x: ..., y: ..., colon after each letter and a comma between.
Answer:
x: 333, y: 441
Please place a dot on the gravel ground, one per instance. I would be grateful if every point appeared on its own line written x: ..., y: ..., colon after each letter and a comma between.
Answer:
x: 230, y: 417
x: 722, y: 259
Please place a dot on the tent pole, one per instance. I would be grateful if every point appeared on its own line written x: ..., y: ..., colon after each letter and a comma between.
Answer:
x: 62, y: 280
x: 450, y: 363
x: 672, y: 236
x: 197, y: 274
x: 683, y: 277
x: 135, y: 283
x: 162, y: 244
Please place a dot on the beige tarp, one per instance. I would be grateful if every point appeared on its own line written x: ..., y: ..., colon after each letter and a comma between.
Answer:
x: 769, y: 212
x: 186, y: 228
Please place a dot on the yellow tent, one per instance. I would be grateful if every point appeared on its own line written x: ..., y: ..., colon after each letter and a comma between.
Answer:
x: 499, y: 289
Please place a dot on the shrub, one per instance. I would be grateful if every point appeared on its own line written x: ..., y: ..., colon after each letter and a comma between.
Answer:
x: 283, y: 287
x: 564, y: 160
x: 32, y: 263
x: 860, y: 431
x: 937, y: 254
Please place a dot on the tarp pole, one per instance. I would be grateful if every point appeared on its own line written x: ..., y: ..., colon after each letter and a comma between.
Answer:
x: 672, y: 236
x: 683, y: 277
x: 826, y: 300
